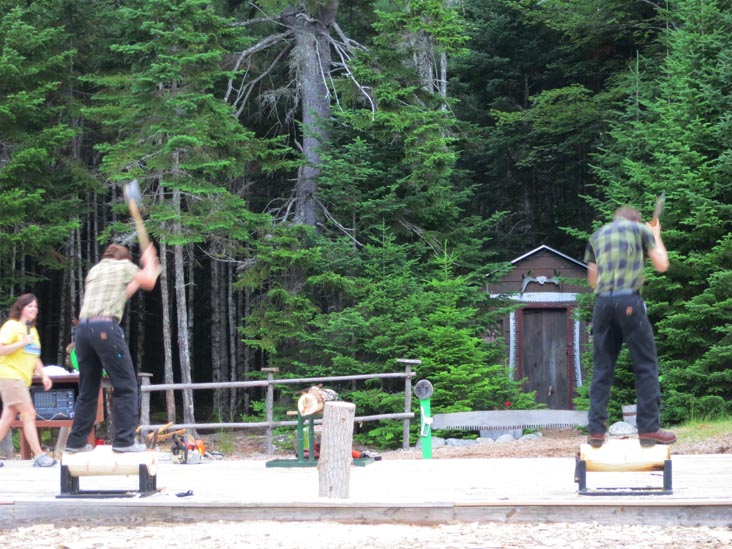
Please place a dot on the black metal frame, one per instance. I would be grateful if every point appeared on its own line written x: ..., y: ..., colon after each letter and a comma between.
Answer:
x: 580, y: 477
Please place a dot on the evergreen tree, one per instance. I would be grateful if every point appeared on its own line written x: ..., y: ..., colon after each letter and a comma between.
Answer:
x: 37, y: 178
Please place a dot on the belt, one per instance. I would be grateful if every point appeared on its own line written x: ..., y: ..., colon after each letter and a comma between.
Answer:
x: 99, y: 319
x: 618, y: 293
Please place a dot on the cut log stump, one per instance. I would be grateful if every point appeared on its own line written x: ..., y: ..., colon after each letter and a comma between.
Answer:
x: 336, y: 442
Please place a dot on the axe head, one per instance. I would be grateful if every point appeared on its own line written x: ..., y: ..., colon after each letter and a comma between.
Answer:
x: 658, y: 210
x: 131, y: 192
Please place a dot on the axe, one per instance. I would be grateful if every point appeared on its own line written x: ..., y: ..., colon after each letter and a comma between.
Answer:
x: 133, y: 197
x: 658, y: 210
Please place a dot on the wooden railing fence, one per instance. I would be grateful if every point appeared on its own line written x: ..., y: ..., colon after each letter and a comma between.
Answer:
x: 146, y: 388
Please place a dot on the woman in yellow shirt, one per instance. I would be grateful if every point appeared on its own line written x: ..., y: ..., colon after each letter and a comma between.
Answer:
x: 20, y: 358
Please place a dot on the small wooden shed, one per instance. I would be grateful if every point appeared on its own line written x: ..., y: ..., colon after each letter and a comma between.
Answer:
x: 544, y: 340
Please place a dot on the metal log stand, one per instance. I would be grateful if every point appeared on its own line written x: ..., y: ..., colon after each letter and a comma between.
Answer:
x: 70, y: 486
x: 310, y: 460
x: 301, y: 461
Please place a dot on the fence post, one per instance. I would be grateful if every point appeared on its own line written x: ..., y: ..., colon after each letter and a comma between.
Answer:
x: 407, y: 362
x: 269, y: 405
x: 144, y: 398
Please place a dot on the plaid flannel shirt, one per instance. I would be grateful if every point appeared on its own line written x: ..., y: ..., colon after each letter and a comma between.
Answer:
x: 619, y: 250
x: 106, y: 284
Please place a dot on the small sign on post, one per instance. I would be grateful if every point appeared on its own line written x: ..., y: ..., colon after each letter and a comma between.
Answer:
x: 336, y: 444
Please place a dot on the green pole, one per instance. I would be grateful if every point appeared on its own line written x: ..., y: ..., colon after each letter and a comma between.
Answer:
x: 426, y: 428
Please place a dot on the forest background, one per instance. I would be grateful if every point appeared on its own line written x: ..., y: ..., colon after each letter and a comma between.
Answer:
x: 329, y: 183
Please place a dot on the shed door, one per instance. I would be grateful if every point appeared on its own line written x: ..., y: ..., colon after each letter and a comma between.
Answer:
x: 545, y: 351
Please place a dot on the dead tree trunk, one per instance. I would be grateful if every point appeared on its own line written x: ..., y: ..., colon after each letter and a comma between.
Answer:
x: 312, y: 57
x: 184, y: 356
x: 167, y: 335
x: 217, y: 331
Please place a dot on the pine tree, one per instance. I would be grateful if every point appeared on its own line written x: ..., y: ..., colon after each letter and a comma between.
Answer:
x: 37, y: 179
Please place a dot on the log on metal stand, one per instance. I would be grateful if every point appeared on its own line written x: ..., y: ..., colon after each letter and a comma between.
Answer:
x: 313, y: 400
x: 334, y: 465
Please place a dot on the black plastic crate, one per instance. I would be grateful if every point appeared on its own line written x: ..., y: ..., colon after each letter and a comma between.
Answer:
x: 53, y: 404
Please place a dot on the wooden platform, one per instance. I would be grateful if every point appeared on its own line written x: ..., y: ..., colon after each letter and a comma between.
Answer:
x: 410, y: 491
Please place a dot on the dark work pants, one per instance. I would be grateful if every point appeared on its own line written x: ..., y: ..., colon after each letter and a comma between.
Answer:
x: 101, y: 345
x: 618, y: 319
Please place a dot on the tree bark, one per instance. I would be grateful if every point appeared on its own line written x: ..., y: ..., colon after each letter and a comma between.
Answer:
x: 184, y: 356
x: 167, y: 336
x: 217, y: 332
x: 336, y: 444
x: 233, y: 341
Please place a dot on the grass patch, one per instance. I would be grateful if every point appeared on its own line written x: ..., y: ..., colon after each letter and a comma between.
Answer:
x: 698, y: 430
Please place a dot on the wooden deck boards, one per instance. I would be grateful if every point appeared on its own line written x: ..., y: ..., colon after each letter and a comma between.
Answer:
x: 424, y: 491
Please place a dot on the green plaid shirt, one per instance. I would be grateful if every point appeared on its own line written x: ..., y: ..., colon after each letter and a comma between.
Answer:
x: 619, y: 249
x: 106, y: 283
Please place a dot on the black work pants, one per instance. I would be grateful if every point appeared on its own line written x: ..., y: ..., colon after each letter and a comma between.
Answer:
x: 101, y: 345
x: 618, y: 319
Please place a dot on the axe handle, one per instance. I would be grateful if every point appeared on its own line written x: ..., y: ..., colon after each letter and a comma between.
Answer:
x: 139, y: 225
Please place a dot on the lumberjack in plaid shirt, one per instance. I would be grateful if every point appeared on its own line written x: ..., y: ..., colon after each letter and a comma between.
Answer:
x: 615, y: 256
x: 101, y: 346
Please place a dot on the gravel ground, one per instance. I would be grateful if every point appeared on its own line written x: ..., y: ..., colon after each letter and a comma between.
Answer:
x: 311, y: 535
x: 330, y: 535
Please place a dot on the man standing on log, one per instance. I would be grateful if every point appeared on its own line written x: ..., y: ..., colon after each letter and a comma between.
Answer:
x: 101, y: 345
x: 615, y: 257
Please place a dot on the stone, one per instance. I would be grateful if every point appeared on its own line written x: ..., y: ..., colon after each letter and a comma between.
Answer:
x: 505, y: 438
x: 621, y: 428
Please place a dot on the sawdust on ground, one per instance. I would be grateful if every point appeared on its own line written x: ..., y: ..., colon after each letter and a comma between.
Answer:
x: 332, y: 535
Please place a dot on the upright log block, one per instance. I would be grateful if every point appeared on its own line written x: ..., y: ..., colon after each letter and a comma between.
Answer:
x: 336, y: 443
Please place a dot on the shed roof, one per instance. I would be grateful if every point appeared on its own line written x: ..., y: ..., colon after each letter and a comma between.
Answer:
x: 551, y: 250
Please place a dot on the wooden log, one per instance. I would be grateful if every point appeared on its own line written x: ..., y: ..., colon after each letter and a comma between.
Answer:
x: 103, y: 461
x: 336, y: 443
x: 313, y: 400
x: 624, y: 455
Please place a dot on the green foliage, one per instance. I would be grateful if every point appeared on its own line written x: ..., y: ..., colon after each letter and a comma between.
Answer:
x: 37, y: 178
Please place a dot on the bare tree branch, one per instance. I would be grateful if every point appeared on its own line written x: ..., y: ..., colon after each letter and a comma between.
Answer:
x: 248, y: 53
x: 332, y: 219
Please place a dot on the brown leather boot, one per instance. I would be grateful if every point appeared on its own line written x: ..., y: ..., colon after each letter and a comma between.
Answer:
x: 658, y: 437
x: 596, y: 440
